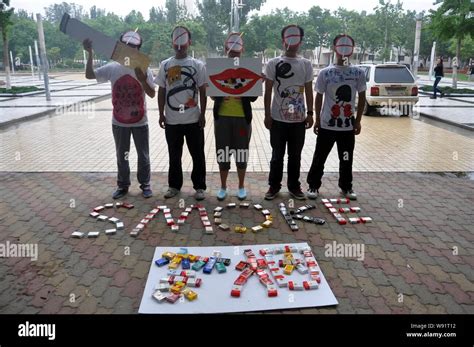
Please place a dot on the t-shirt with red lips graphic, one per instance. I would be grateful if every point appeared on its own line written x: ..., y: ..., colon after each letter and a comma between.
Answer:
x: 128, y: 95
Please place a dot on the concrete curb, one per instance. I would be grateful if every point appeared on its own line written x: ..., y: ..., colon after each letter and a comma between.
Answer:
x: 459, y: 125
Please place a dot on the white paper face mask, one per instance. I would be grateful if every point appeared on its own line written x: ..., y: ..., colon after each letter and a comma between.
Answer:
x: 292, y: 36
x: 132, y: 37
x: 344, y: 46
x: 180, y: 37
x: 234, y: 43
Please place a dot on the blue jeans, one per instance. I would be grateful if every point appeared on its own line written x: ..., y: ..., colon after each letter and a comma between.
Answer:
x: 435, y: 86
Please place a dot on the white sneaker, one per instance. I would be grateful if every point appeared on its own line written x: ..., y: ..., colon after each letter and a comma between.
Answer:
x: 199, y: 195
x: 312, y: 194
x: 350, y: 194
x: 171, y: 192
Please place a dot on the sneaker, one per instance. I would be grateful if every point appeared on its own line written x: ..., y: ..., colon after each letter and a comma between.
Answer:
x: 119, y: 193
x: 221, y: 194
x: 433, y: 97
x: 350, y: 194
x: 242, y: 194
x: 297, y: 193
x: 147, y: 192
x: 199, y: 195
x: 171, y: 192
x: 312, y: 193
x: 271, y: 193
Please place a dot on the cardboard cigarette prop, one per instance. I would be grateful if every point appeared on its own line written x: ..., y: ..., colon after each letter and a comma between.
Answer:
x: 105, y: 45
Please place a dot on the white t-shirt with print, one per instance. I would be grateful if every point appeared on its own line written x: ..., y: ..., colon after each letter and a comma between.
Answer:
x: 289, y: 75
x: 128, y: 95
x: 340, y: 85
x: 181, y: 78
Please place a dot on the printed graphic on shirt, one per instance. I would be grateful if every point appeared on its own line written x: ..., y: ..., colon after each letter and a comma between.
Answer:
x: 292, y: 100
x: 340, y: 86
x: 292, y: 103
x: 342, y: 107
x: 128, y: 100
x: 182, y: 87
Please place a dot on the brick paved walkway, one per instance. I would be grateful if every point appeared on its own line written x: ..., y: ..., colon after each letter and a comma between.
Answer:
x: 409, y: 249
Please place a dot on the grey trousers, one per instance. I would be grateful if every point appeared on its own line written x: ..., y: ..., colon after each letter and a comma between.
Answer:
x: 122, y: 149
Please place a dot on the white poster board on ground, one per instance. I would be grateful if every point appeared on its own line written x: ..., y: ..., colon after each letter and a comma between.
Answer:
x: 214, y: 293
x: 234, y: 77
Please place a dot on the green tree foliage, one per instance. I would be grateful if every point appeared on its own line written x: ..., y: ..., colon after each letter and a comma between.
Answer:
x: 54, y: 13
x: 6, y: 13
x: 453, y: 20
x: 387, y: 26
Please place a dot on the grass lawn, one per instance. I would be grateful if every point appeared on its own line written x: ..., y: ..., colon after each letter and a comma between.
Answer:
x: 461, y: 77
x: 19, y: 90
x: 448, y: 90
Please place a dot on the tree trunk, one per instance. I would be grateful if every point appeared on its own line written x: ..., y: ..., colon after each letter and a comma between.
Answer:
x: 456, y: 64
x: 6, y: 60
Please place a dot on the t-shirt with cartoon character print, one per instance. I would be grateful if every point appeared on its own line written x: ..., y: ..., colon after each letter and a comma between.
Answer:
x: 128, y: 95
x: 340, y: 85
x: 289, y: 75
x: 181, y: 78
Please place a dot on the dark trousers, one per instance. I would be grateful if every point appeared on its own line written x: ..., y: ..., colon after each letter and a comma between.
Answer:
x: 281, y: 135
x: 194, y: 135
x: 435, y: 86
x: 122, y: 149
x: 345, y: 141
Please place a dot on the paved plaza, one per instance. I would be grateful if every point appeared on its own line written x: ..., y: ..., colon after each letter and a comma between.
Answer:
x: 413, y: 178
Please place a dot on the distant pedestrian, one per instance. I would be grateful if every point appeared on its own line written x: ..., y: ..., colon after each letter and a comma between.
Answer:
x: 471, y: 72
x: 129, y: 113
x: 438, y: 70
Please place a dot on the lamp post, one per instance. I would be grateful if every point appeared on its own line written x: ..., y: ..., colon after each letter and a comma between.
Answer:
x: 44, y: 59
x: 416, y: 50
x: 235, y: 6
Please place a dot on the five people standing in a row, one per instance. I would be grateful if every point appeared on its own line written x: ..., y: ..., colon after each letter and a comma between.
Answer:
x: 289, y: 112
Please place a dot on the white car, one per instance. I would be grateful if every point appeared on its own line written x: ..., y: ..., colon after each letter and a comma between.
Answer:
x: 389, y: 86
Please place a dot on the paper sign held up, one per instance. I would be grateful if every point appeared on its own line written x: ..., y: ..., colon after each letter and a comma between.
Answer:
x: 234, y: 77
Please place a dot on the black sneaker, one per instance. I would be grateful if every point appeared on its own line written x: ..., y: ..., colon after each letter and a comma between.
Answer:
x: 119, y: 193
x: 297, y: 193
x: 147, y: 192
x: 271, y: 193
x: 312, y: 193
